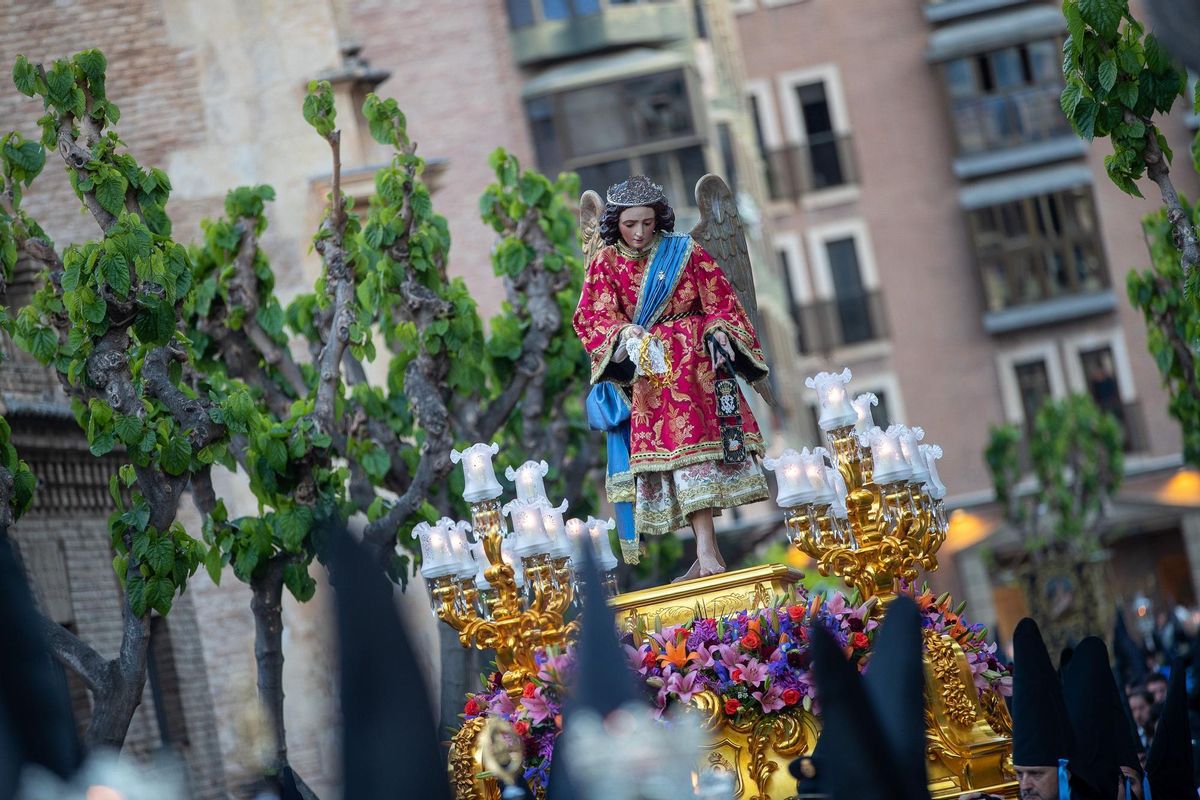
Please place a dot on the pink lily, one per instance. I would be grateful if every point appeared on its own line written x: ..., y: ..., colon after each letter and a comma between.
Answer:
x: 537, y: 707
x: 770, y: 700
x: 685, y: 687
x: 754, y: 672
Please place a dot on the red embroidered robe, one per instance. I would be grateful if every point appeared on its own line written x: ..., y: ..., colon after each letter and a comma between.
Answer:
x: 676, y: 425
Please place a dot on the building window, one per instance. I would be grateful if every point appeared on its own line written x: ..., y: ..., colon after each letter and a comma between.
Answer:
x: 523, y: 13
x: 1006, y: 97
x: 825, y: 161
x: 1100, y: 376
x: 881, y: 414
x: 728, y: 156
x: 606, y: 132
x: 1033, y: 385
x: 1038, y: 248
x: 165, y: 685
x: 853, y: 311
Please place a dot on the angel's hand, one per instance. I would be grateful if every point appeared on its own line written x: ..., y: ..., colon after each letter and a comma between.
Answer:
x: 723, y: 352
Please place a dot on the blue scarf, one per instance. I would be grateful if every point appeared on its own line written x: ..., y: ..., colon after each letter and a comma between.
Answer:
x: 607, y: 406
x: 1064, y: 780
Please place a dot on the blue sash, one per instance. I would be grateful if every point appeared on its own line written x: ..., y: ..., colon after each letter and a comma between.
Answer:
x: 607, y: 407
x: 1064, y: 780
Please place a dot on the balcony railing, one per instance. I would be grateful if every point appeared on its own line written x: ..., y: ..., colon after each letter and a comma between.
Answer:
x: 825, y: 161
x: 997, y: 122
x: 551, y: 30
x: 849, y: 319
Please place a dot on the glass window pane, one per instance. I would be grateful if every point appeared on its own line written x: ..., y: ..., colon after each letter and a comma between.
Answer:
x: 595, y: 119
x: 1006, y: 68
x: 585, y: 7
x: 814, y: 109
x: 851, y: 296
x: 601, y: 176
x: 1033, y: 383
x: 658, y: 106
x: 520, y: 13
x: 1045, y: 62
x: 1100, y: 373
x: 540, y: 111
x: 881, y: 414
x: 555, y: 9
x: 960, y: 78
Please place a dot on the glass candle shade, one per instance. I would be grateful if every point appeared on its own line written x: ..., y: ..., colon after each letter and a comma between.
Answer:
x: 527, y: 479
x: 834, y: 400
x: 529, y: 537
x: 478, y: 472
x: 791, y: 478
x: 910, y: 439
x: 556, y: 529
x: 933, y: 483
x: 513, y: 560
x: 839, y: 493
x: 887, y: 456
x: 481, y: 565
x: 577, y: 535
x: 817, y: 476
x: 598, y: 530
x: 862, y: 407
x: 437, y: 559
x: 460, y: 549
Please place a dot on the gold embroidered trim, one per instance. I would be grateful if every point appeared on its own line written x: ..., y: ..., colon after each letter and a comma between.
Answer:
x: 621, y: 487
x: 604, y: 354
x: 631, y: 552
x: 662, y: 461
x: 713, y: 494
x: 687, y: 257
x: 625, y: 251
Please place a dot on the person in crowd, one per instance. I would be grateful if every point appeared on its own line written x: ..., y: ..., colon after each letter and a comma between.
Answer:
x: 1156, y: 685
x: 1043, y: 742
x: 1141, y: 708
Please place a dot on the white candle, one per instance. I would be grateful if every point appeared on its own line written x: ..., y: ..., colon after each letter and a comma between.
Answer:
x: 479, y: 476
x: 909, y: 442
x: 460, y: 548
x: 937, y: 489
x: 555, y: 528
x: 815, y: 471
x: 792, y: 479
x: 530, y: 536
x: 862, y: 407
x: 889, y: 463
x: 606, y: 560
x: 528, y: 479
x: 436, y: 558
x: 836, y: 410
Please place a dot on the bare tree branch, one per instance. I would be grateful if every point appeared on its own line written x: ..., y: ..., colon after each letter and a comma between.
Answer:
x: 76, y: 654
x: 340, y: 287
x: 1159, y: 171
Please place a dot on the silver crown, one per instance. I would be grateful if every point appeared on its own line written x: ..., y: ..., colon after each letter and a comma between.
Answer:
x: 638, y: 190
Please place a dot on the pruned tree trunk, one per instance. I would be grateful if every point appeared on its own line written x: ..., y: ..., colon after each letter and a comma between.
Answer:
x: 267, y: 605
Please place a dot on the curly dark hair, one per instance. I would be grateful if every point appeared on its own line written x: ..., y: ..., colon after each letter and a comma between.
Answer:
x: 664, y: 220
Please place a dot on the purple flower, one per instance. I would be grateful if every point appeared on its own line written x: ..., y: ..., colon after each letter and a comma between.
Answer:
x: 754, y: 672
x: 770, y: 700
x: 685, y: 687
x: 537, y: 706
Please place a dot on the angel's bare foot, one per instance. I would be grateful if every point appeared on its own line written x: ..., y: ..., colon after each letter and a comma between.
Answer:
x: 693, y: 572
x: 709, y: 565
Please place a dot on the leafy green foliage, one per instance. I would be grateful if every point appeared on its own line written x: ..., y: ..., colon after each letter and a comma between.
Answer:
x: 1172, y: 314
x: 1076, y: 457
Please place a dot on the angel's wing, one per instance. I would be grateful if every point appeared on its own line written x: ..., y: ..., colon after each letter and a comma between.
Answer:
x: 720, y: 232
x: 591, y: 206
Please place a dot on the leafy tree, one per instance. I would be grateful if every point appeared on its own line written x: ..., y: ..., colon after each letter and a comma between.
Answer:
x: 1117, y: 78
x: 183, y: 358
x: 1075, y: 454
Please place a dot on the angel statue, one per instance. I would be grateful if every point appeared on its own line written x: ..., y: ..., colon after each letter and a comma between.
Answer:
x: 667, y: 328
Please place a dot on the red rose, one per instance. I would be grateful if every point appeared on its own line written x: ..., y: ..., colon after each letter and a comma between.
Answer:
x: 791, y: 696
x: 736, y: 675
x: 859, y: 641
x: 732, y: 706
x: 529, y: 690
x: 521, y: 727
x: 649, y: 660
x: 796, y: 613
x: 751, y: 641
x: 471, y: 708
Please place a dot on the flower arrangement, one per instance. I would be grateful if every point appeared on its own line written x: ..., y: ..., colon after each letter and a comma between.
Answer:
x: 753, y: 661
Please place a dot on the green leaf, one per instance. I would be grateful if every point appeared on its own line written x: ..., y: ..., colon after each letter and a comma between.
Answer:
x: 376, y: 463
x: 110, y: 191
x: 156, y: 323
x: 160, y: 592
x: 1107, y: 73
x: 135, y: 591
x: 160, y: 555
x: 93, y: 306
x: 24, y: 76
x: 29, y: 156
x: 293, y: 525
x: 319, y: 110
x: 176, y: 455
x: 1075, y: 26
x: 103, y: 443
x: 93, y: 63
x: 42, y: 344
x: 115, y: 269
x: 1127, y: 93
x: 1102, y: 15
x: 299, y: 582
x: 275, y: 453
x: 1084, y: 118
x: 1069, y: 100
x: 128, y: 429
x: 213, y: 564
x: 24, y: 485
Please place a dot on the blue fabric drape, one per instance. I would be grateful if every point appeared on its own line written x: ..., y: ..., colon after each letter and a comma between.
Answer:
x: 607, y: 408
x: 1064, y: 780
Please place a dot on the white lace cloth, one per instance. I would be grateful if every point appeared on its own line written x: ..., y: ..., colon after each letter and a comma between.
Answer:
x: 655, y: 362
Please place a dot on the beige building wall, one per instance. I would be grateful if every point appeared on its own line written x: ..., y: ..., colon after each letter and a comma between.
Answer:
x: 914, y: 235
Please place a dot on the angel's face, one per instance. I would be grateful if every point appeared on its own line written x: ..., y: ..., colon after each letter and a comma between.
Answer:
x: 636, y: 226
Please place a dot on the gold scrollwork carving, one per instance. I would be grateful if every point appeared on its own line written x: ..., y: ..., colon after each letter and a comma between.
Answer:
x: 944, y: 661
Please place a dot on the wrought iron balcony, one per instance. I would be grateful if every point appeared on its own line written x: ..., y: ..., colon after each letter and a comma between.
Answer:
x: 943, y: 10
x: 849, y: 319
x: 825, y: 161
x: 1002, y: 121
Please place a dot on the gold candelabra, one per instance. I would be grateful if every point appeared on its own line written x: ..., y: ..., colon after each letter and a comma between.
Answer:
x: 869, y: 509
